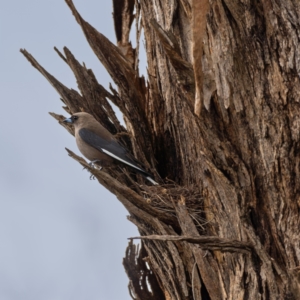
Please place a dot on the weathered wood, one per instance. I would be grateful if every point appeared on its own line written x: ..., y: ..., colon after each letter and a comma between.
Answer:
x: 199, y: 10
x: 142, y: 278
x: 205, y: 242
x: 218, y: 123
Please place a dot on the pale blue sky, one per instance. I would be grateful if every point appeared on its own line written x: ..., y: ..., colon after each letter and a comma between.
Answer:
x: 62, y: 236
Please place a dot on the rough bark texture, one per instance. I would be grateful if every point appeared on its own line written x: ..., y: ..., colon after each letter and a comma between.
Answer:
x: 217, y: 123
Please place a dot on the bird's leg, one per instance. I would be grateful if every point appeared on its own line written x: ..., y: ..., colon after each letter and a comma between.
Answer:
x: 92, y: 163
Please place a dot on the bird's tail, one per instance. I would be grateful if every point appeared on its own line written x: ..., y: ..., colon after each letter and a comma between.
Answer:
x: 146, y: 175
x: 151, y: 180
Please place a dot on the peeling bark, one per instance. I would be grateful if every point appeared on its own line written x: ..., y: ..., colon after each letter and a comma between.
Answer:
x: 199, y: 10
x: 217, y: 123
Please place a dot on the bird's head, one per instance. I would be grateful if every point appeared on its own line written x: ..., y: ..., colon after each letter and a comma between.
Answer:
x: 78, y: 118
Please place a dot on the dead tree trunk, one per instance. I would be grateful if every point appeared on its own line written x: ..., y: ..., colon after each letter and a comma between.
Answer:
x: 217, y: 122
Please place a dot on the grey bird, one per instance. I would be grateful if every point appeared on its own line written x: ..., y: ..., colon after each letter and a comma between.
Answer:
x: 99, y: 146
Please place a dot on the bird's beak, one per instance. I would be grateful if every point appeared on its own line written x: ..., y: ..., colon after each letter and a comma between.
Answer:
x: 69, y: 120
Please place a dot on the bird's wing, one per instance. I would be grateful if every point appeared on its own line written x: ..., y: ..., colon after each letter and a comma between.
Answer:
x: 111, y: 148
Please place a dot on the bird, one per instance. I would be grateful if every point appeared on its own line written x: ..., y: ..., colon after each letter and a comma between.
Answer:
x: 99, y: 146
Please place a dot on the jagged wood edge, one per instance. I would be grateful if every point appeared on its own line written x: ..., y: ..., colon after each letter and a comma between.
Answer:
x: 130, y: 87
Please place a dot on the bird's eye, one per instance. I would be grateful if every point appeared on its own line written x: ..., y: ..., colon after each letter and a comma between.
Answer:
x: 75, y: 117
